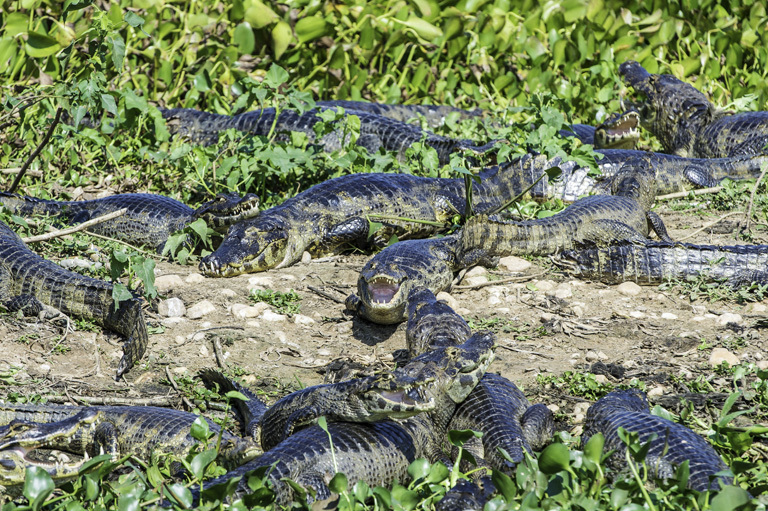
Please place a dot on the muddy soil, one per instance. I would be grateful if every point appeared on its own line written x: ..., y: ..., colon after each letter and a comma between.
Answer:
x: 546, y: 322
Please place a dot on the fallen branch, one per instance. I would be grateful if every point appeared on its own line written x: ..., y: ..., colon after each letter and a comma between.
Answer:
x: 680, y: 195
x: 36, y: 152
x: 710, y: 224
x: 522, y: 278
x: 63, y: 232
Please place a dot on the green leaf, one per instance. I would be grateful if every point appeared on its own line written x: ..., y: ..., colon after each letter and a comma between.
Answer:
x: 282, y: 37
x: 38, y: 485
x: 310, y: 28
x: 460, y: 437
x: 730, y: 498
x: 276, y: 76
x: 408, y: 499
x: 200, y: 430
x: 180, y: 493
x: 338, y: 483
x: 233, y: 394
x: 145, y: 271
x: 41, y: 45
x: 118, y: 50
x: 594, y: 448
x: 554, y: 459
x: 201, y: 461
x: 244, y: 39
x: 109, y: 104
x: 419, y: 469
x: 504, y: 484
x: 120, y: 293
x: 133, y: 19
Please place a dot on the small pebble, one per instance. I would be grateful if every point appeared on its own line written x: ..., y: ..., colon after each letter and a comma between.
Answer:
x: 476, y: 271
x: 581, y: 408
x: 637, y: 314
x: 629, y: 289
x: 200, y: 309
x: 165, y: 283
x: 172, y: 322
x: 553, y: 408
x: 514, y: 264
x: 240, y: 310
x: 668, y: 315
x: 762, y: 364
x: 563, y: 291
x: 306, y: 257
x: 227, y: 293
x: 271, y: 316
x: 600, y: 378
x: 729, y: 317
x: 494, y: 300
x: 591, y: 356
x: 194, y: 278
x: 171, y: 308
x: 544, y: 285
x: 475, y: 280
x: 657, y: 391
x: 301, y: 319
x: 720, y: 355
x: 448, y: 299
x: 261, y: 281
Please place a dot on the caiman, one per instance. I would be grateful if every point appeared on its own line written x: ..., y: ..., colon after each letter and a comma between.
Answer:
x: 338, y: 213
x: 434, y: 115
x: 687, y: 124
x: 379, y: 452
x: 652, y: 263
x: 673, y: 173
x: 671, y: 443
x: 618, y: 131
x: 376, y: 132
x: 29, y: 282
x: 625, y: 215
x: 388, y: 277
x: 149, y: 218
x: 496, y: 407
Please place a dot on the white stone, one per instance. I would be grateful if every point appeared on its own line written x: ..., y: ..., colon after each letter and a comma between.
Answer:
x: 657, y: 391
x: 577, y: 310
x: 44, y: 368
x: 494, y: 300
x: 194, y: 278
x: 512, y: 263
x: 306, y: 257
x: 668, y: 315
x: 720, y: 355
x: 324, y: 352
x: 729, y: 317
x: 180, y: 370
x: 476, y: 271
x: 698, y: 318
x: 553, y: 408
x: 261, y: 281
x: 301, y: 319
x: 172, y: 322
x: 563, y: 291
x: 240, y: 310
x: 544, y: 285
x: 629, y: 289
x: 171, y: 308
x: 476, y: 280
x: 581, y: 408
x: 602, y: 356
x: 448, y: 299
x: 637, y: 314
x: 75, y: 262
x: 227, y: 293
x: 762, y: 365
x: 200, y: 309
x: 271, y: 316
x: 600, y: 378
x: 757, y: 308
x: 590, y: 356
x: 165, y: 283
x: 253, y: 324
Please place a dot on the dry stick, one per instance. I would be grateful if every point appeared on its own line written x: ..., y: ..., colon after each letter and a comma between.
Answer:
x: 324, y: 294
x: 165, y: 401
x: 522, y: 278
x: 16, y: 170
x: 680, y: 195
x: 710, y: 224
x: 80, y: 227
x: 218, y: 353
x: 518, y: 350
x: 168, y: 375
x: 36, y: 152
x: 752, y: 197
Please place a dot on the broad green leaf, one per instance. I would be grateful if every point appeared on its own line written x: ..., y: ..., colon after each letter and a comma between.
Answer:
x: 38, y: 485
x: 338, y: 483
x: 120, y: 293
x: 729, y: 499
x: 233, y: 394
x: 201, y: 461
x: 244, y: 39
x: 200, y: 430
x: 419, y: 469
x: 41, y: 45
x: 276, y: 76
x: 554, y: 459
x: 133, y: 19
x: 310, y: 28
x: 594, y: 448
x: 282, y: 37
x: 259, y: 15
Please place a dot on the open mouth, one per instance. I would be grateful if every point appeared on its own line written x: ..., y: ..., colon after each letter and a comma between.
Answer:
x: 382, y: 290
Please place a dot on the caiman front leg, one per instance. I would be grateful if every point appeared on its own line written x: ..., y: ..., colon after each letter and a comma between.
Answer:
x: 604, y: 232
x: 657, y: 225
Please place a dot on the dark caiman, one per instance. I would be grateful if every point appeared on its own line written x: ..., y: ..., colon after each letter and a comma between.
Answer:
x: 380, y: 452
x: 687, y: 124
x: 376, y: 132
x: 673, y: 173
x: 435, y: 115
x: 29, y: 282
x: 625, y: 215
x: 671, y: 443
x: 618, y: 131
x: 388, y: 277
x: 338, y: 213
x: 149, y: 218
x: 656, y: 262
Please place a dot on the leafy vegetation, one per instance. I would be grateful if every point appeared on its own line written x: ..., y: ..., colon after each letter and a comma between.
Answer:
x: 284, y: 303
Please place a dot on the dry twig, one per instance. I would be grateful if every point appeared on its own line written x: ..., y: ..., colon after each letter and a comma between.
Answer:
x: 69, y: 230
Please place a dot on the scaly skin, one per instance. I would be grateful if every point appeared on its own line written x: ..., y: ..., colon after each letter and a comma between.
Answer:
x: 28, y: 281
x: 687, y: 124
x: 335, y: 214
x: 143, y: 431
x: 434, y: 114
x: 656, y: 262
x: 673, y: 173
x: 387, y: 279
x: 507, y: 420
x: 375, y: 131
x: 598, y: 218
x: 395, y: 395
x: 380, y: 452
x: 674, y: 443
x: 432, y: 323
x: 150, y: 218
